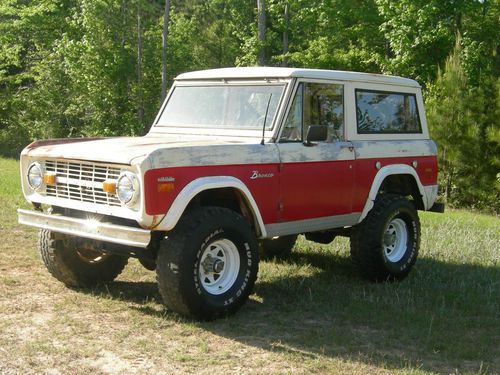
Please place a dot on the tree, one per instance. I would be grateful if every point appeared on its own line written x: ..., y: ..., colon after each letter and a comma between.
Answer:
x: 164, y: 49
x: 463, y: 121
x: 27, y: 33
x: 286, y: 15
x: 261, y: 26
x: 140, y: 95
x: 339, y: 34
x: 422, y: 33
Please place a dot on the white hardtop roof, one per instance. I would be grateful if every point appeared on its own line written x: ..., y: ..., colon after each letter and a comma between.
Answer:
x: 273, y: 72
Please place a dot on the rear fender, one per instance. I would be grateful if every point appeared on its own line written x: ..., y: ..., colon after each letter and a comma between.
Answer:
x: 397, y: 169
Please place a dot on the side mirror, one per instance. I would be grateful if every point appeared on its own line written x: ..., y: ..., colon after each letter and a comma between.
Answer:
x: 316, y: 133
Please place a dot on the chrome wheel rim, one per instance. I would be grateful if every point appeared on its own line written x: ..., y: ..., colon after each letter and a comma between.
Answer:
x: 91, y: 256
x: 395, y: 240
x: 87, y: 252
x: 219, y: 266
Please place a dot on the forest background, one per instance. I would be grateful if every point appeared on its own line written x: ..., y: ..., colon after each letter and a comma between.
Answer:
x: 73, y: 68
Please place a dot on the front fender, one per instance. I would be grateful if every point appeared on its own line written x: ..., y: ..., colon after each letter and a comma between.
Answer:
x: 207, y: 183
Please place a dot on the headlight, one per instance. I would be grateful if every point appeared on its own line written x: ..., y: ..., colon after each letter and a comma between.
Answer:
x: 127, y: 188
x: 35, y: 175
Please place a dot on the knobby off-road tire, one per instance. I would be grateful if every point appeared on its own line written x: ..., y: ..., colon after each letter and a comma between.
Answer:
x: 279, y: 248
x: 73, y: 264
x: 208, y: 264
x: 384, y: 246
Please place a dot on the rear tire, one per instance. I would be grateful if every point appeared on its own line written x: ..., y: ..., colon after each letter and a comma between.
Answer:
x: 279, y: 248
x: 72, y: 262
x: 384, y: 246
x: 207, y: 266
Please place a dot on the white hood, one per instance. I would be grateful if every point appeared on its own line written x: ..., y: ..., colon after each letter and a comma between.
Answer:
x: 120, y: 150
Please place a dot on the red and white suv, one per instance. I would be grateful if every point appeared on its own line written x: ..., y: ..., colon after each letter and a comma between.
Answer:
x: 239, y: 159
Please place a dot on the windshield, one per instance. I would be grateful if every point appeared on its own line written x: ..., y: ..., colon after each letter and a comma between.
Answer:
x: 230, y: 106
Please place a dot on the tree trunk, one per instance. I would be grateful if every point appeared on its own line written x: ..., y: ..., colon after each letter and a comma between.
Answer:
x: 261, y: 25
x: 164, y: 45
x: 458, y: 23
x: 140, y: 99
x: 285, y: 36
x: 123, y: 11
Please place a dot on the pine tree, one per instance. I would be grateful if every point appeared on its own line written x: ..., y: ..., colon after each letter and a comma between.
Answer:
x: 463, y: 120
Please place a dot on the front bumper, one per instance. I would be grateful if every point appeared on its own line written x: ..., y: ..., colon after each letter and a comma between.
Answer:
x: 106, y: 232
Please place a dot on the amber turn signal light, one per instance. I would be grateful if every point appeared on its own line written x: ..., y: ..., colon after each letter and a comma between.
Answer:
x: 49, y: 178
x: 165, y: 187
x: 109, y: 186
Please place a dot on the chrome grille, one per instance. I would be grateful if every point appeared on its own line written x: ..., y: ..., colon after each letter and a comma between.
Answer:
x: 81, y: 181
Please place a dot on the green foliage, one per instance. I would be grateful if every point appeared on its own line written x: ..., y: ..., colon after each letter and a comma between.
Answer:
x: 463, y: 120
x: 422, y: 33
x: 338, y: 34
x: 70, y: 68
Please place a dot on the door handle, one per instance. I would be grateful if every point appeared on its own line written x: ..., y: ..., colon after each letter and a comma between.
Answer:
x: 347, y: 145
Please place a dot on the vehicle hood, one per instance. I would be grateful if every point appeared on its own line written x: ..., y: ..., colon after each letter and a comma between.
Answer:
x: 119, y: 150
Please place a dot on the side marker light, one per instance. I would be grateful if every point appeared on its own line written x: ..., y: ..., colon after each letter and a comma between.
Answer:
x: 165, y: 187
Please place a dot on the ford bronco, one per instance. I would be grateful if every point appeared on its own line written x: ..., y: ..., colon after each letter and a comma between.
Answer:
x: 239, y: 161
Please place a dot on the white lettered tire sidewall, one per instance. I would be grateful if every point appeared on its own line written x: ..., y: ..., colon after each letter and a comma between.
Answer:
x: 413, y: 239
x: 181, y: 253
x: 242, y: 281
x: 371, y: 237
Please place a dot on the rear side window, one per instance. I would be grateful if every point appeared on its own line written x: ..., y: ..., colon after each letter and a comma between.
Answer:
x: 387, y: 112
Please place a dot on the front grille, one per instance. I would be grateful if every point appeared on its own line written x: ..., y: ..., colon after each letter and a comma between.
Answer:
x: 81, y: 181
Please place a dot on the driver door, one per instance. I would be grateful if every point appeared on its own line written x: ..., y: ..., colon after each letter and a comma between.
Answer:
x: 316, y: 180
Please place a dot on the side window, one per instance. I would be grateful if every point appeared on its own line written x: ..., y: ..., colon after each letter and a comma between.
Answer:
x: 324, y: 105
x: 315, y: 104
x: 386, y: 112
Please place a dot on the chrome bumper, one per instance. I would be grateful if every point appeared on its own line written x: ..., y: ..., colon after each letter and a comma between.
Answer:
x: 119, y: 234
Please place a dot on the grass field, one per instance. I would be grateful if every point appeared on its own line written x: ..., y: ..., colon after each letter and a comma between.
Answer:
x: 311, y: 314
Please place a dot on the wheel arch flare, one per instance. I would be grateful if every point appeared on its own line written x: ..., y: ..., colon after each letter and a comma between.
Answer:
x: 196, y: 187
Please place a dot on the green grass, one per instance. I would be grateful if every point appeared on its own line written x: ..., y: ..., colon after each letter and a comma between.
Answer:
x: 311, y: 314
x: 10, y: 191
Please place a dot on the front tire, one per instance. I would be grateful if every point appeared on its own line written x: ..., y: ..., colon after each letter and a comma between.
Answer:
x: 78, y: 263
x: 384, y: 246
x: 207, y: 266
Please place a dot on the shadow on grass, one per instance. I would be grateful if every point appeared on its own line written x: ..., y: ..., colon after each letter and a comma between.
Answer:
x: 443, y: 317
x: 136, y: 292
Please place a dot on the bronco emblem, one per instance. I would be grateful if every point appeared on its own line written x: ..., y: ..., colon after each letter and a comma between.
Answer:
x: 256, y: 175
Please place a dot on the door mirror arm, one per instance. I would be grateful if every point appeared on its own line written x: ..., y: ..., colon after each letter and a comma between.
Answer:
x: 316, y: 133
